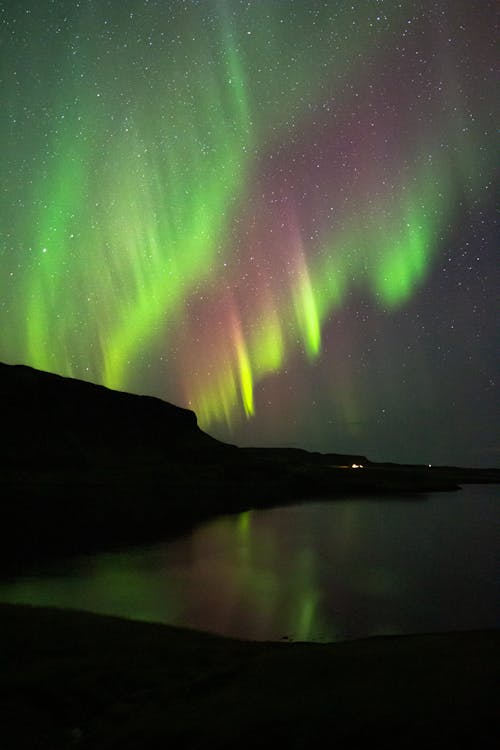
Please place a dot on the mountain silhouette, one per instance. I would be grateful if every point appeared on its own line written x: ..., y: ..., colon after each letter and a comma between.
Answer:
x: 83, y: 466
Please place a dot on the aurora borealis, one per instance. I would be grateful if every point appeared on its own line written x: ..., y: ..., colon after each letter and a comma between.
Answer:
x: 278, y: 213
x: 310, y: 572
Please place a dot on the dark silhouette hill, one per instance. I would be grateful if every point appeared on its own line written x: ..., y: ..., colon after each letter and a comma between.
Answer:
x: 46, y: 418
x: 83, y: 466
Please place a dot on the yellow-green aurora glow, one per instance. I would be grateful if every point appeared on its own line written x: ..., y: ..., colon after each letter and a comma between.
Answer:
x: 198, y: 197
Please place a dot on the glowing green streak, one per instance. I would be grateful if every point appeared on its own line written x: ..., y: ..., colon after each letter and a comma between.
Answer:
x: 391, y: 257
x: 219, y: 403
x: 403, y: 266
x: 307, y: 316
x: 243, y: 524
x: 138, y: 280
x: 306, y: 597
x: 155, y: 216
x: 246, y: 380
x: 194, y: 193
x: 306, y: 617
x: 405, y: 261
x: 111, y: 585
x: 158, y: 295
x: 49, y: 303
x: 237, y: 77
x: 267, y: 347
x: 160, y: 299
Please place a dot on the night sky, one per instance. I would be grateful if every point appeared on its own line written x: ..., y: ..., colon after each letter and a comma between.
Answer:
x: 278, y: 213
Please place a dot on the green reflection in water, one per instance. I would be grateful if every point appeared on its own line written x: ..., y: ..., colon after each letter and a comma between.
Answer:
x: 111, y: 584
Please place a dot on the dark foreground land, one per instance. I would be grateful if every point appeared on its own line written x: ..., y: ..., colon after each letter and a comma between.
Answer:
x: 84, y: 467
x: 71, y: 679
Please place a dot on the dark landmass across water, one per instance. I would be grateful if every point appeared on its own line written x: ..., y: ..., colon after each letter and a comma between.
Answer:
x: 72, y: 679
x: 84, y: 467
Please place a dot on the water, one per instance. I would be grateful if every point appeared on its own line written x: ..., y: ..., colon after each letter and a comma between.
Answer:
x: 320, y: 571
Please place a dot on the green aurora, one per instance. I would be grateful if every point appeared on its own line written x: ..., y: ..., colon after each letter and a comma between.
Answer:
x: 205, y: 186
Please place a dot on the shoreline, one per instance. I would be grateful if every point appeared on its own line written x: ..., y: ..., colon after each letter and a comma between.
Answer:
x: 86, y: 468
x: 76, y: 679
x: 62, y: 514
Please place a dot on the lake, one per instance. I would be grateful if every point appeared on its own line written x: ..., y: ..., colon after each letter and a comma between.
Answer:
x: 319, y: 571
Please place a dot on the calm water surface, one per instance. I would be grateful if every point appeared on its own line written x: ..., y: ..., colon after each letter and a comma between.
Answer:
x: 318, y: 571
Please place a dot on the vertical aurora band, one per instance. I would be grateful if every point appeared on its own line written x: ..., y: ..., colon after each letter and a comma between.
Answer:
x: 213, y: 201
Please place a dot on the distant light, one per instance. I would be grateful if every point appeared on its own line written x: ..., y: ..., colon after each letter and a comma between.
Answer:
x: 430, y: 466
x: 357, y: 466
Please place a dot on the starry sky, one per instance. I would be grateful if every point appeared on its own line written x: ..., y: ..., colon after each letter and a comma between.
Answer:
x: 278, y: 213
